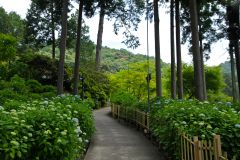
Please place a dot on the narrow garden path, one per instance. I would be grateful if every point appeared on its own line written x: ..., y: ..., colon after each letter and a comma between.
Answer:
x: 116, y: 141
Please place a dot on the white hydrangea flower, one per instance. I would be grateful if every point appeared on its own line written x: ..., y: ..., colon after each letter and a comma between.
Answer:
x: 75, y: 120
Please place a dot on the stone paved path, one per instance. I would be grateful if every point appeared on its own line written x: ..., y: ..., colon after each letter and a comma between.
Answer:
x: 116, y: 141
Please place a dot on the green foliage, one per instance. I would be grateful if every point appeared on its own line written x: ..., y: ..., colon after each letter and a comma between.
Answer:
x: 42, y: 18
x: 7, y: 47
x: 214, y: 80
x: 41, y: 68
x: 95, y: 86
x: 133, y: 80
x: 34, y: 86
x: 218, y: 97
x: 115, y: 60
x: 211, y: 23
x: 19, y: 89
x: 123, y: 98
x: 51, y: 129
x: 12, y: 24
x: 195, y: 118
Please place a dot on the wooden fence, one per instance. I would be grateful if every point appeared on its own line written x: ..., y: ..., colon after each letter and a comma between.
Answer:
x: 194, y: 149
x: 132, y: 115
x: 191, y: 147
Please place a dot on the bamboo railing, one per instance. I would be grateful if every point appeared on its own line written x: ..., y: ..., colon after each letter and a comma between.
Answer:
x: 191, y: 147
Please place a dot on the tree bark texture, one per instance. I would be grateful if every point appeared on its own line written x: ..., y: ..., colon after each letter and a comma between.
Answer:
x: 99, y: 39
x: 78, y: 46
x: 237, y: 55
x: 157, y: 51
x: 172, y: 41
x: 201, y: 53
x: 233, y: 73
x: 53, y: 30
x: 196, y: 51
x: 62, y: 48
x: 179, y: 54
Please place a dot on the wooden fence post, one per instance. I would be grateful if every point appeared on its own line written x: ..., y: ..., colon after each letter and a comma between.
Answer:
x: 118, y: 111
x: 217, y: 147
x: 197, y: 149
x: 148, y: 127
x: 112, y: 106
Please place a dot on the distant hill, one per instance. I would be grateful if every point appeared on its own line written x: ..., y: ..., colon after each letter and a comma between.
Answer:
x: 114, y: 60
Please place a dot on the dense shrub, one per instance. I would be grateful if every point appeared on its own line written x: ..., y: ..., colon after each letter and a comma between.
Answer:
x: 19, y: 89
x: 51, y: 129
x: 123, y: 98
x: 95, y: 85
x: 196, y: 119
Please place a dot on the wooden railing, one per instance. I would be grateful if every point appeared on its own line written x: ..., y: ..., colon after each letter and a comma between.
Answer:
x: 191, y: 147
x: 194, y: 149
x: 132, y: 115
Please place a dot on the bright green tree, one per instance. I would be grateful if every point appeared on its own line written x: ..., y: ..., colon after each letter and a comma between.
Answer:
x: 8, y: 45
x: 214, y: 80
x: 12, y: 24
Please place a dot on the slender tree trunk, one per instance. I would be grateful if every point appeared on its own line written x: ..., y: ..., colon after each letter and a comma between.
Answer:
x: 201, y: 53
x: 99, y: 39
x: 179, y: 54
x: 78, y: 46
x: 233, y: 72
x: 173, y: 71
x: 53, y: 30
x: 196, y: 51
x: 157, y: 51
x: 203, y: 68
x: 237, y: 55
x: 62, y: 48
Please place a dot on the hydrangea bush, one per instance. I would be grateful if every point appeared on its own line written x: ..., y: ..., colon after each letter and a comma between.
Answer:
x: 170, y: 118
x: 59, y: 128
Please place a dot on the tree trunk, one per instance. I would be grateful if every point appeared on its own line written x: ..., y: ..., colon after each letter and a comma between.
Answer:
x: 53, y: 30
x: 99, y: 39
x: 62, y: 48
x: 233, y: 72
x: 157, y: 51
x: 173, y: 71
x: 237, y: 55
x: 201, y: 53
x: 78, y: 46
x: 203, y: 70
x: 196, y: 51
x: 179, y: 54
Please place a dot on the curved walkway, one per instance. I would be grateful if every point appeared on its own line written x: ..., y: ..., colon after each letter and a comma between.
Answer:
x: 115, y: 141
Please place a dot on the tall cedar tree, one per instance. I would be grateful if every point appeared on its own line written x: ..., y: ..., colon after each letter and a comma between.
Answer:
x: 62, y: 47
x: 196, y: 51
x: 77, y: 55
x: 172, y: 41
x: 126, y: 14
x: 179, y: 54
x: 157, y: 50
x: 42, y: 15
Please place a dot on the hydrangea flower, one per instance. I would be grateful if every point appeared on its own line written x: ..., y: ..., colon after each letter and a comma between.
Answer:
x: 75, y: 120
x: 237, y: 125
